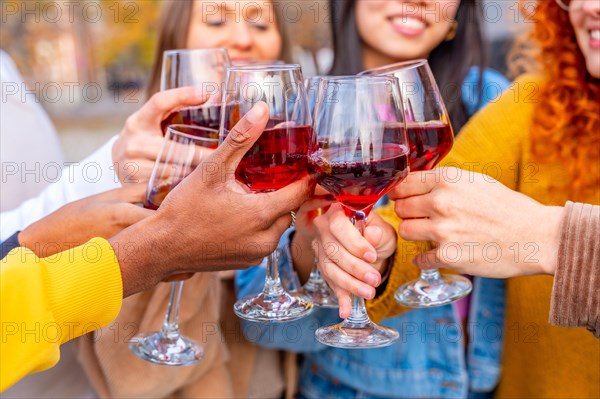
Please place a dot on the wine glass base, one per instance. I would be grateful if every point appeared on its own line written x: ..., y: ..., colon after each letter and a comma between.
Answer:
x: 273, y: 308
x: 158, y: 349
x: 421, y: 294
x: 344, y: 335
x: 320, y: 294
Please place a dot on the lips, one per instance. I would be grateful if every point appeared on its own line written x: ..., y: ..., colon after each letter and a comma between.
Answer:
x: 408, y: 25
x: 595, y: 38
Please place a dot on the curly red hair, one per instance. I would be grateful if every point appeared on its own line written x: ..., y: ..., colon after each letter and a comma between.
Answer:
x: 566, y: 123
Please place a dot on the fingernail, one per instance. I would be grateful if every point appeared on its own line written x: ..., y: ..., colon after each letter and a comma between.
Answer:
x: 256, y: 113
x: 365, y: 292
x: 372, y: 279
x: 370, y: 256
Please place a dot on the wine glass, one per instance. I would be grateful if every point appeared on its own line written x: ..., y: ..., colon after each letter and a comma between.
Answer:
x: 362, y: 153
x: 316, y: 287
x: 431, y: 138
x: 202, y: 68
x: 278, y: 158
x: 205, y: 69
x: 181, y: 152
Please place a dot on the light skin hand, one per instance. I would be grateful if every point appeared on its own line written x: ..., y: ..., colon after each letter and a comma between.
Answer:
x: 481, y: 227
x: 210, y: 222
x: 137, y: 147
x: 301, y: 244
x: 351, y: 263
x: 102, y: 215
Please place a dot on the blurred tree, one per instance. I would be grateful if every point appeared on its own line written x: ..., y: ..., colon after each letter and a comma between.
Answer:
x: 129, y: 28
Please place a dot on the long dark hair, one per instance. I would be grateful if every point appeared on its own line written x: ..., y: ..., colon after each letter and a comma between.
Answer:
x: 173, y: 28
x: 450, y: 61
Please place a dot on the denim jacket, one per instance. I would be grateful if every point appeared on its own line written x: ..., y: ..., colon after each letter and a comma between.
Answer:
x: 428, y: 361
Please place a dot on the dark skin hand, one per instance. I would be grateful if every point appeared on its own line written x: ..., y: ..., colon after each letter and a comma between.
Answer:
x: 210, y: 222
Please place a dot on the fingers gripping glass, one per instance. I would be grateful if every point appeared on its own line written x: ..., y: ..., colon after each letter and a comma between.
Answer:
x: 278, y: 158
x: 362, y: 153
x: 430, y: 137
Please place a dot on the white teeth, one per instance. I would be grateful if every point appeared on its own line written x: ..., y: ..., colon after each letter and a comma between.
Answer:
x: 595, y: 34
x: 409, y: 22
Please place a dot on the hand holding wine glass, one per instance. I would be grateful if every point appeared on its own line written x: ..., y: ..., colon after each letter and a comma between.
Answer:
x: 209, y: 222
x: 353, y: 264
x: 137, y: 147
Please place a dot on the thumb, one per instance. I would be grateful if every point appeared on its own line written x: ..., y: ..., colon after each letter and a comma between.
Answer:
x: 290, y: 197
x: 243, y: 135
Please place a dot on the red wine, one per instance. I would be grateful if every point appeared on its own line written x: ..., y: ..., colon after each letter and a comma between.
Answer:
x: 429, y: 143
x: 278, y: 158
x: 156, y: 195
x: 356, y: 183
x: 208, y: 116
x: 206, y: 137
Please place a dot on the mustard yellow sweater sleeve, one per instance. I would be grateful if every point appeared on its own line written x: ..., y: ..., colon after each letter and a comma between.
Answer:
x: 491, y: 143
x: 46, y: 302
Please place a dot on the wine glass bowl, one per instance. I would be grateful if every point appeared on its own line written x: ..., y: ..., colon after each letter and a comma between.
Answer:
x: 201, y: 68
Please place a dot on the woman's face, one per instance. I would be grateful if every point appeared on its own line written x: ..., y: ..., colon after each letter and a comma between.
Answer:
x: 247, y: 29
x: 399, y: 30
x: 585, y: 18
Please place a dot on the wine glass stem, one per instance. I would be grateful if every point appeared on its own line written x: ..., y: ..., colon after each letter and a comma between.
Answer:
x: 315, y: 274
x: 170, y: 328
x: 358, y: 316
x: 272, y: 281
x: 430, y: 276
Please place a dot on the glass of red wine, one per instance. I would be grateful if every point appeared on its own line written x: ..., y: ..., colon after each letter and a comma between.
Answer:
x: 431, y: 138
x: 202, y: 68
x: 278, y: 158
x: 316, y: 287
x: 182, y: 150
x: 361, y: 154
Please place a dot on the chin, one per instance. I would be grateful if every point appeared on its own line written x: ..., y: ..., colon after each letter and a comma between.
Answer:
x: 594, y: 69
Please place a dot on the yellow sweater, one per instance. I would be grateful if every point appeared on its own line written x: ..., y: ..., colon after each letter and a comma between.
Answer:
x: 539, y: 360
x: 46, y: 302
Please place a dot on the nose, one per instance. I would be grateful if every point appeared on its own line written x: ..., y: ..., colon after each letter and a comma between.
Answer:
x: 242, y: 39
x: 591, y: 8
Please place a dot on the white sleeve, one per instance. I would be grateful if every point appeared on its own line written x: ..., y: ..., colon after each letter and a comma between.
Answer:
x: 93, y: 175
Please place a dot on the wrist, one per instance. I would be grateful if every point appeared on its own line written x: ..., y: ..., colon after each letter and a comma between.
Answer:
x: 138, y: 249
x: 28, y: 239
x: 550, y: 238
x: 302, y: 255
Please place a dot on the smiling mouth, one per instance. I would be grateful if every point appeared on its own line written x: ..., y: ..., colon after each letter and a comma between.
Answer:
x: 408, y: 25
